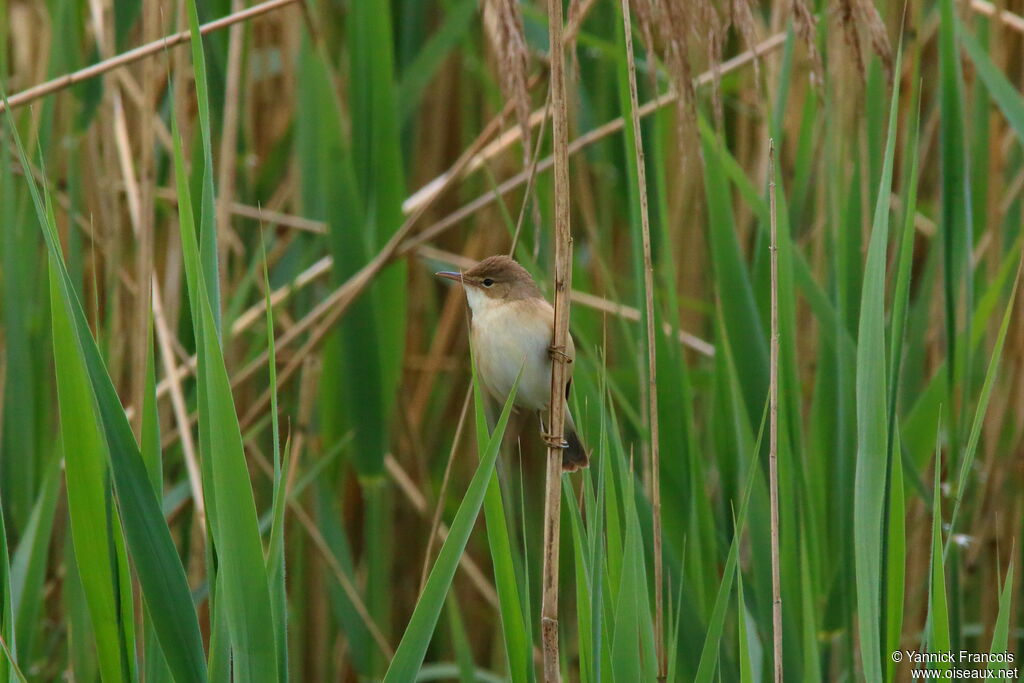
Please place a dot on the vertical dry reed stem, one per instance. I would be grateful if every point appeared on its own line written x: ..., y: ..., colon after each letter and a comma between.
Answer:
x: 559, y: 374
x: 652, y: 393
x: 164, y: 341
x: 773, y: 446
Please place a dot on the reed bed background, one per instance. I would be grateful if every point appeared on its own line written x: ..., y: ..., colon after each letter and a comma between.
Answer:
x: 240, y: 436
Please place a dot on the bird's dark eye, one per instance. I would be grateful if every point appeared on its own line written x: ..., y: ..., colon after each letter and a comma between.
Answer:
x: 488, y: 282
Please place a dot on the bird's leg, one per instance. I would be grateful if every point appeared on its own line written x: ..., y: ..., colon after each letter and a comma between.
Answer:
x: 550, y: 439
x: 558, y: 352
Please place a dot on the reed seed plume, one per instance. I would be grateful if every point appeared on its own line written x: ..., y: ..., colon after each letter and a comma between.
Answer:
x: 742, y: 17
x: 669, y: 26
x: 503, y: 21
x: 848, y: 25
x: 851, y: 15
x: 806, y: 27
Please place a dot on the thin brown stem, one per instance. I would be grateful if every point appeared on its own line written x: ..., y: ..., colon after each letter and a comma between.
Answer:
x: 773, y: 447
x: 435, y: 521
x: 559, y: 368
x: 164, y: 341
x: 652, y: 374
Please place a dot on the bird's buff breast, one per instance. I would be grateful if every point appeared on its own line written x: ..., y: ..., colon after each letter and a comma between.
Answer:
x: 507, y: 337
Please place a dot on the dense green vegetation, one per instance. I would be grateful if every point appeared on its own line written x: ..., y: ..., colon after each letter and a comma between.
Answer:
x: 240, y: 435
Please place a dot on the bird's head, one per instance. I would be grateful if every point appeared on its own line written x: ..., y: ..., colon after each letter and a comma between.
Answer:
x: 493, y: 280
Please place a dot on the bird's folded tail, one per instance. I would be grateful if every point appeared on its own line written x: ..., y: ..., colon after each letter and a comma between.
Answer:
x: 574, y: 456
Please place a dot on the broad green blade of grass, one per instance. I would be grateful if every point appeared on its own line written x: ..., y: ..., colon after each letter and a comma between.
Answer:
x: 584, y: 587
x: 352, y: 177
x: 712, y: 641
x: 420, y: 630
x: 901, y: 291
x: 417, y: 75
x: 235, y: 528
x: 87, y: 490
x: 82, y: 651
x: 518, y: 645
x: 981, y: 146
x: 125, y: 14
x: 349, y: 377
x: 811, y: 665
x: 938, y: 611
x: 377, y: 556
x: 351, y: 623
x: 632, y: 635
x: 460, y: 640
x: 955, y: 224
x: 18, y: 430
x: 743, y: 442
x: 377, y: 348
x: 732, y: 284
x: 895, y: 532
x: 816, y: 297
x: 154, y: 556
x: 1001, y: 631
x: 872, y: 427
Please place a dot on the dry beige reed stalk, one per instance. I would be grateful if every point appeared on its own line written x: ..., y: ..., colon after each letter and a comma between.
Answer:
x: 652, y: 393
x: 773, y: 445
x: 559, y: 369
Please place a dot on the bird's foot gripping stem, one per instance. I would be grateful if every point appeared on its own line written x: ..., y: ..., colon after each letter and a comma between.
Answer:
x: 559, y: 352
x: 553, y: 441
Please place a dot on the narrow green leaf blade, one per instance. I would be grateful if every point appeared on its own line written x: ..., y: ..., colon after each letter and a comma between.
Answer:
x: 409, y: 655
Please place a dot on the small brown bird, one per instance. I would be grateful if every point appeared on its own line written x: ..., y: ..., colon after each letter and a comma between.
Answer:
x: 513, y: 328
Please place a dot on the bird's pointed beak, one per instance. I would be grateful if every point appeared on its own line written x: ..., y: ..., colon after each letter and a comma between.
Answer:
x: 449, y: 275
